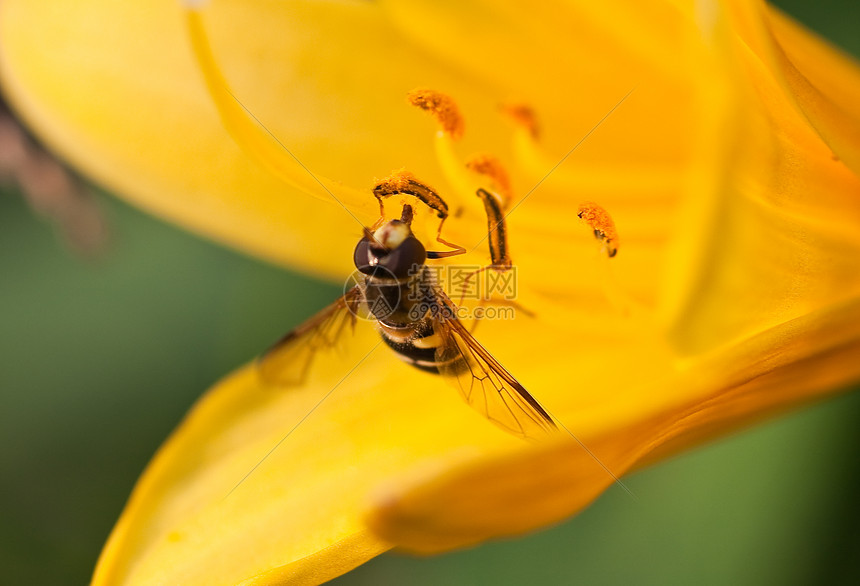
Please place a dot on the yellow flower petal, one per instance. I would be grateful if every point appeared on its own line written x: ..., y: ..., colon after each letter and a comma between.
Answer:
x: 322, y: 108
x: 193, y: 504
x: 247, y: 490
x: 515, y: 493
x: 780, y: 232
x: 169, y: 153
x: 734, y: 293
x: 825, y: 95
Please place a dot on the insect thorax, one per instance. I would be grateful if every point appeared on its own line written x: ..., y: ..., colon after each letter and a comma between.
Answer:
x: 400, y: 303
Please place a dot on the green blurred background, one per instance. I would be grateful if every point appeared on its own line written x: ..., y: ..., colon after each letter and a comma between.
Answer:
x: 101, y: 357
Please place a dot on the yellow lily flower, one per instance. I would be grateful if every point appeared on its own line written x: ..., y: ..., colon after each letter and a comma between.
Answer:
x: 730, y: 173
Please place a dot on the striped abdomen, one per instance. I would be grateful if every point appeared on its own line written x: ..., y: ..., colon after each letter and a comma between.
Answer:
x: 401, y: 308
x: 414, y: 343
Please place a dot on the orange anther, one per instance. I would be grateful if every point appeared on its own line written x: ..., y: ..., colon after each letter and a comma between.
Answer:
x: 442, y: 107
x: 492, y: 167
x: 601, y: 222
x: 523, y: 116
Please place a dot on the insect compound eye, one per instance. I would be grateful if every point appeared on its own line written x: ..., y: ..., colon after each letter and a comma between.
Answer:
x: 403, y: 260
x: 368, y: 257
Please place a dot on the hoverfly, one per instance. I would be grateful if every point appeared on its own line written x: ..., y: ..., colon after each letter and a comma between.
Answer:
x: 414, y: 316
x: 416, y: 319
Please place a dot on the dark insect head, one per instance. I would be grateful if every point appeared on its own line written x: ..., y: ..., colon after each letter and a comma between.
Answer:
x: 391, y: 250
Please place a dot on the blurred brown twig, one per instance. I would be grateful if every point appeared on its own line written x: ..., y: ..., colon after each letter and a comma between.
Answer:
x: 50, y: 188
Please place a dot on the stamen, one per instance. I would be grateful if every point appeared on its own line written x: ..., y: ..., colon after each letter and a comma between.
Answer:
x: 524, y: 117
x: 603, y: 227
x: 525, y: 141
x: 492, y: 168
x: 404, y: 182
x: 601, y: 223
x: 497, y: 231
x: 497, y: 238
x: 441, y: 107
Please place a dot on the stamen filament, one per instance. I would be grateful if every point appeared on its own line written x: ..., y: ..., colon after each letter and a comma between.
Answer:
x: 447, y: 115
x: 453, y: 168
x: 603, y: 228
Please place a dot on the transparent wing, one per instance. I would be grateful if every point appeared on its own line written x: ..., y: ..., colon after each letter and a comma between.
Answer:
x: 485, y: 384
x: 288, y: 361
